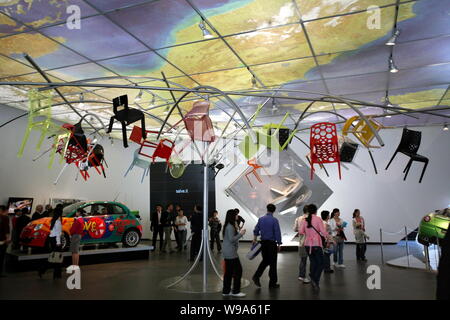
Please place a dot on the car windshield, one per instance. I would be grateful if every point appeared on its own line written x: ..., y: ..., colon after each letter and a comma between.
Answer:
x: 70, y: 208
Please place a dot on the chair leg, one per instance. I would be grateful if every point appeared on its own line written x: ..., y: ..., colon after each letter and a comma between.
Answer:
x: 312, y: 170
x: 408, y: 165
x: 395, y: 153
x: 24, y: 142
x: 111, y: 122
x: 144, y: 132
x: 423, y: 171
x: 339, y: 169
x: 373, y: 161
x: 407, y: 170
x: 124, y: 135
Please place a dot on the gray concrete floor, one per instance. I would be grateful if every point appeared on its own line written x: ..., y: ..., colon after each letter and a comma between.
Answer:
x: 144, y: 279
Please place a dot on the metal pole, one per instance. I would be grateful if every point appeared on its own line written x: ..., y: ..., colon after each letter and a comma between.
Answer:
x: 407, y: 247
x: 205, y: 219
x: 381, y: 246
x: 427, y: 257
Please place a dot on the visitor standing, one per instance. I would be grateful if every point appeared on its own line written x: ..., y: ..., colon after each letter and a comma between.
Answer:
x: 216, y: 226
x: 233, y: 267
x: 181, y: 224
x: 168, y: 222
x: 4, y: 236
x: 337, y: 228
x: 156, y: 227
x: 55, y: 242
x: 269, y: 230
x: 303, y: 255
x: 39, y: 213
x: 76, y: 233
x: 329, y: 248
x: 313, y: 229
x: 359, y: 230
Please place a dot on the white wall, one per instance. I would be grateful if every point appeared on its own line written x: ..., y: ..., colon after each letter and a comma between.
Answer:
x: 26, y: 178
x: 385, y: 200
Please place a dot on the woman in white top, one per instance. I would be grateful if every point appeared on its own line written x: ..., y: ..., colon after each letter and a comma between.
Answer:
x: 337, y: 229
x: 55, y: 242
x: 181, y: 222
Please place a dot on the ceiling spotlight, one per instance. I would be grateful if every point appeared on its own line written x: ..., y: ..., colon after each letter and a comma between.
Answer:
x: 139, y: 96
x: 392, y: 40
x: 152, y: 103
x: 81, y: 100
x: 205, y: 31
x: 392, y: 67
x: 387, y: 102
x: 274, y: 106
x: 445, y: 128
x: 254, y: 83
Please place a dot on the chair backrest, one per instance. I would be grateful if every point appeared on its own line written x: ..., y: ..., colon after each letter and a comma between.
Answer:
x: 119, y: 102
x: 361, y: 130
x: 39, y: 105
x: 324, y: 143
x: 410, y: 141
x: 198, y: 124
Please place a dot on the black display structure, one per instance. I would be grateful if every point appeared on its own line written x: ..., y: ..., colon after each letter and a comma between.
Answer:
x: 186, y: 191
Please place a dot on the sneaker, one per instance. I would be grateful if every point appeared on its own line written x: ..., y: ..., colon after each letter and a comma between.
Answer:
x: 226, y: 294
x: 256, y: 282
x: 315, y: 286
x: 238, y: 295
x: 274, y: 286
x: 306, y: 281
x: 340, y: 266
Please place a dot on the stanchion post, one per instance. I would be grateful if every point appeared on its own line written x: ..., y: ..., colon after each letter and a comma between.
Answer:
x: 205, y: 220
x: 381, y: 246
x: 407, y: 247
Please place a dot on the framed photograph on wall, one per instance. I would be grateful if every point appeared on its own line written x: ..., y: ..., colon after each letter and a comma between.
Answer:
x: 65, y: 202
x: 19, y: 203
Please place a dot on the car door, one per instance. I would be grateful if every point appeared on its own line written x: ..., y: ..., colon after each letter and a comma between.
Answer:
x: 96, y: 223
x: 119, y: 222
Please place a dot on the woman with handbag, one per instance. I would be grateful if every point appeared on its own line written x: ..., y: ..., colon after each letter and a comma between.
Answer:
x: 55, y: 258
x: 337, y: 227
x: 359, y: 230
x: 329, y: 248
x: 233, y: 267
x: 315, y: 239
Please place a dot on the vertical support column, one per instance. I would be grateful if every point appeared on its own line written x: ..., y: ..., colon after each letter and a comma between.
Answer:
x: 205, y: 219
x: 381, y: 246
x: 407, y: 247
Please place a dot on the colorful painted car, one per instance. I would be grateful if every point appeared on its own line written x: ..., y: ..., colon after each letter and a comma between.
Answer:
x: 433, y: 227
x: 104, y: 222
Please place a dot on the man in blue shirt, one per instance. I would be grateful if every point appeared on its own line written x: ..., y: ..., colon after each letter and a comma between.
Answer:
x: 269, y: 230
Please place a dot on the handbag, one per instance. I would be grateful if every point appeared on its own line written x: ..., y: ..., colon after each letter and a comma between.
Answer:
x: 254, y: 251
x: 55, y: 257
x: 324, y: 241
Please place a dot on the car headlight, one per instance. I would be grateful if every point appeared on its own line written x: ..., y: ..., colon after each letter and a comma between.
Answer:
x: 38, y: 227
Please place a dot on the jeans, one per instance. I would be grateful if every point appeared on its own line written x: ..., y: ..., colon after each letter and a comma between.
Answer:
x: 303, y: 262
x: 196, y: 242
x: 269, y: 252
x: 167, y: 239
x: 215, y: 237
x: 361, y: 251
x: 316, y: 263
x: 181, y: 239
x: 338, y: 255
x: 233, y: 271
x: 158, y: 230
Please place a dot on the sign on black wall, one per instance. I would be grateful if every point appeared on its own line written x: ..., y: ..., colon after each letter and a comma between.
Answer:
x: 185, y: 191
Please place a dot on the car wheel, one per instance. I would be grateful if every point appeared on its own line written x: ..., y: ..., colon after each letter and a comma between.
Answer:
x: 423, y: 241
x: 65, y: 242
x: 131, y: 238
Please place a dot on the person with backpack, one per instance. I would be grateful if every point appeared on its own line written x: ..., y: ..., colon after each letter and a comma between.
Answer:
x: 76, y: 233
x: 315, y: 239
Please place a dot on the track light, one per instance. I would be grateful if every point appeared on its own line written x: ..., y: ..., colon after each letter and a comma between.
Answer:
x: 81, y: 100
x: 445, y: 128
x: 205, y: 31
x: 139, y: 96
x: 392, y: 40
x: 387, y: 103
x: 392, y: 67
x: 152, y: 103
x: 254, y: 83
x: 274, y: 106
